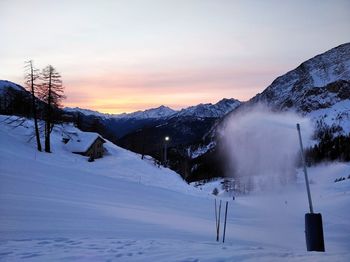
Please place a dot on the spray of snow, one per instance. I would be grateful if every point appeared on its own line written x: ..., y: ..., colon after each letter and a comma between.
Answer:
x: 261, y: 145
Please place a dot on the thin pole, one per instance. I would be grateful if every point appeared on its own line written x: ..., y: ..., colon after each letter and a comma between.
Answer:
x: 165, y: 153
x: 305, y: 170
x: 216, y: 221
x: 218, y: 228
x: 223, y: 237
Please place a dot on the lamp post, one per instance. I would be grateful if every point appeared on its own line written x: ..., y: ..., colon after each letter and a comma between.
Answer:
x: 313, y: 221
x: 166, y: 140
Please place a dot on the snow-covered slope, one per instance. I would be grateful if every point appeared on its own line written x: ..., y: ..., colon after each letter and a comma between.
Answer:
x: 126, y: 165
x: 60, y: 207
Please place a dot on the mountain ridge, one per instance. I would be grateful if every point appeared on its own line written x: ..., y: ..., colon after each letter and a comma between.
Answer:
x: 218, y: 109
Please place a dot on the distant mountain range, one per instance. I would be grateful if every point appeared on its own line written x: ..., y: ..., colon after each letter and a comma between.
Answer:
x: 153, y: 113
x: 209, y: 110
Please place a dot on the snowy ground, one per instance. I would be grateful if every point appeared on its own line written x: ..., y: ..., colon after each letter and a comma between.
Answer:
x: 59, y: 207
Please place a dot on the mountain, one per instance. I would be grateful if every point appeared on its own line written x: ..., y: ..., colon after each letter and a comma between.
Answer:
x: 8, y: 85
x: 163, y: 112
x: 319, y: 89
x: 185, y: 126
x: 218, y: 110
x: 86, y: 112
x: 163, y: 118
x: 14, y: 99
x: 153, y: 113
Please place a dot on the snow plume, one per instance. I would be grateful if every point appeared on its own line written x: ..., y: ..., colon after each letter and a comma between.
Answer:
x: 262, y: 146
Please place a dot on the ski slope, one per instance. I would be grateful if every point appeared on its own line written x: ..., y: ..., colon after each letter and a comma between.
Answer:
x: 60, y: 207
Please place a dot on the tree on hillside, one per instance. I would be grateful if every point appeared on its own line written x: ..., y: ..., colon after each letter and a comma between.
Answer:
x: 31, y: 76
x: 51, y: 92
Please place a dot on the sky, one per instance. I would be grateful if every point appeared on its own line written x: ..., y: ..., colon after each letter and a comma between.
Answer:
x: 123, y: 56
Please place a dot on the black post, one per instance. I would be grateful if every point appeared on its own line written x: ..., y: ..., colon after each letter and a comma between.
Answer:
x: 223, y: 237
x: 218, y: 227
x: 314, y: 232
x: 216, y: 221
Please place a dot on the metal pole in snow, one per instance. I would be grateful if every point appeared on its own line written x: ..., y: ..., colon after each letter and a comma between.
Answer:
x: 305, y: 170
x: 218, y: 228
x: 165, y: 154
x: 223, y: 237
x: 216, y: 221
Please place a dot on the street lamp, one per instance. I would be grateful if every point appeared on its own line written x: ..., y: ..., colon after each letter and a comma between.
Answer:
x: 166, y: 140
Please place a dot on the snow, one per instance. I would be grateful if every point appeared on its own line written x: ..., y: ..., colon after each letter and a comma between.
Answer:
x: 219, y: 109
x: 337, y: 114
x: 60, y: 207
x: 201, y: 150
x: 81, y: 142
x: 153, y: 113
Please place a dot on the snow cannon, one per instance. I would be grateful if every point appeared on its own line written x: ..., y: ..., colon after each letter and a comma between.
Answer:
x: 313, y: 222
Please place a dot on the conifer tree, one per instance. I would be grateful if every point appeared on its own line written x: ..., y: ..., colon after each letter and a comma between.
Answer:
x: 52, y: 95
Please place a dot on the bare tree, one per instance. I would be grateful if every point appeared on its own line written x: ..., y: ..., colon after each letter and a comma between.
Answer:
x: 31, y: 76
x: 52, y: 94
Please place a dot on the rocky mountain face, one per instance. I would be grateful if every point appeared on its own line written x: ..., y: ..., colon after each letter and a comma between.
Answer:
x: 318, y: 89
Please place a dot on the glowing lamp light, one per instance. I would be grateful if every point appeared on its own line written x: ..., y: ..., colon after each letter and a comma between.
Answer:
x: 167, y: 138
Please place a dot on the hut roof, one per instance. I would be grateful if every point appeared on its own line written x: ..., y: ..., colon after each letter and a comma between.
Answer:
x: 82, y: 142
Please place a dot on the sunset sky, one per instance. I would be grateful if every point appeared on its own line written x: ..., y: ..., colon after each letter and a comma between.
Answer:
x: 123, y: 56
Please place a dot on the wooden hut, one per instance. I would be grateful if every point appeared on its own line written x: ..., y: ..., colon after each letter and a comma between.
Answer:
x: 87, y: 144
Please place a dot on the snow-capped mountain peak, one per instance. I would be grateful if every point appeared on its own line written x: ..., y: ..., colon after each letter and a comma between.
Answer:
x: 319, y: 88
x: 153, y: 113
x: 219, y: 109
x: 298, y: 86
